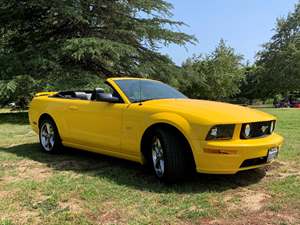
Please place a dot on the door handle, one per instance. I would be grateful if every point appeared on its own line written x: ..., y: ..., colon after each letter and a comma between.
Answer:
x: 73, y: 107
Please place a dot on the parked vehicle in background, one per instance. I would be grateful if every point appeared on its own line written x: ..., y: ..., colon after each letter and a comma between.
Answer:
x: 290, y: 101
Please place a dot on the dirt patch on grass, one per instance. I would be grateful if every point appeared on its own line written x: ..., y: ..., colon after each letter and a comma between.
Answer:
x: 254, y: 201
x: 108, y: 215
x: 274, y: 166
x: 15, y: 212
x: 247, y: 206
x: 34, y: 170
x: 246, y: 200
x: 25, y: 169
x: 4, y: 194
x: 73, y: 205
x: 289, y: 173
x: 257, y: 218
x: 282, y: 169
x: 22, y: 217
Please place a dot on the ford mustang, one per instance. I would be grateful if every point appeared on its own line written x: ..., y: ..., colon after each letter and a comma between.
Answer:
x: 152, y: 123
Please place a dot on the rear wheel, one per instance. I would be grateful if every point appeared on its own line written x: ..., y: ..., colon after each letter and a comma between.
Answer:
x: 49, y: 137
x: 168, y: 156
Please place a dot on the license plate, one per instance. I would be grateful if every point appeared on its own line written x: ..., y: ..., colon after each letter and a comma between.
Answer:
x: 272, y: 154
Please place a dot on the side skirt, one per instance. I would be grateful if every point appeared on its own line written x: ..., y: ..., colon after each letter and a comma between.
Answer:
x: 104, y: 152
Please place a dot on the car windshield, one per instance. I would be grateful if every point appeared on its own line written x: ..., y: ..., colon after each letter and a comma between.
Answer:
x: 145, y: 90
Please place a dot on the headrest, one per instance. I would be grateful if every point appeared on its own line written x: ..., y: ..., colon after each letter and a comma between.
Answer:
x: 81, y: 95
x: 99, y: 90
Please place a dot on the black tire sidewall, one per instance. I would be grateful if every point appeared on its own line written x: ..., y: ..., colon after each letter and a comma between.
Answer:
x: 171, y: 144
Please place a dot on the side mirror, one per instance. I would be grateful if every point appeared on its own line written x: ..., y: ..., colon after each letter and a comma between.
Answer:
x: 104, y: 97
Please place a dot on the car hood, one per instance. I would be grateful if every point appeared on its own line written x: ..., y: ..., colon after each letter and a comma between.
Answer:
x: 211, y: 111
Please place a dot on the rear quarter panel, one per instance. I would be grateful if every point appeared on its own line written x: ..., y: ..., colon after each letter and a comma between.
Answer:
x: 54, y: 107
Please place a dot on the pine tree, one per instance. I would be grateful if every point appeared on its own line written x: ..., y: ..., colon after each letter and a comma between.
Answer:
x: 68, y: 40
x: 108, y: 37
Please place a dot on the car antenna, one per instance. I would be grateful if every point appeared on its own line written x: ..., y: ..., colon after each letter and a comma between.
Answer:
x: 140, y: 90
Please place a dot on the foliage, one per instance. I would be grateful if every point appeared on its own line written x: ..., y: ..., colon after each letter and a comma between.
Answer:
x: 214, y: 76
x: 75, y: 44
x: 18, y: 90
x: 65, y: 38
x: 279, y: 62
x: 249, y: 86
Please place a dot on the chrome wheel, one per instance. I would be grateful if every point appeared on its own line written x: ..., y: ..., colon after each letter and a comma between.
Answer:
x: 158, y: 157
x: 47, y: 136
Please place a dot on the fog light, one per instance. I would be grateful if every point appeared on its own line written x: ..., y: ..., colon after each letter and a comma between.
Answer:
x: 214, y: 132
x: 247, y: 130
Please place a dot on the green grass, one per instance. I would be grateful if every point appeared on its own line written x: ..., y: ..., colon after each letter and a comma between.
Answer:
x: 289, y: 127
x: 78, y: 187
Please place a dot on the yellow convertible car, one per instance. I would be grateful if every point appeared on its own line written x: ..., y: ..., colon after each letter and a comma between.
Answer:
x: 152, y: 123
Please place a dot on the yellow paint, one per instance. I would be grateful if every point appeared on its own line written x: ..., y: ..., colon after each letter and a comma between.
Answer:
x: 116, y: 129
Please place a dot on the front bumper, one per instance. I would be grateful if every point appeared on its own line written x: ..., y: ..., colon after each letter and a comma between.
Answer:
x: 227, y: 157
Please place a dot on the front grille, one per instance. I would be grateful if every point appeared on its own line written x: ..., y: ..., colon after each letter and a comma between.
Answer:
x: 254, y: 162
x: 257, y: 129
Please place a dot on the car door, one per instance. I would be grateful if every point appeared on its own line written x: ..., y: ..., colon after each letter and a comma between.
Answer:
x: 95, y: 124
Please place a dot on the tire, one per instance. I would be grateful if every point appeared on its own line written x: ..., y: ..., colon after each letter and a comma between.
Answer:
x: 50, y: 141
x: 168, y: 156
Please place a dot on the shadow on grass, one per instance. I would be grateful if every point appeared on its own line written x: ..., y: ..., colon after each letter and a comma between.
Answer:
x: 129, y: 173
x: 20, y: 118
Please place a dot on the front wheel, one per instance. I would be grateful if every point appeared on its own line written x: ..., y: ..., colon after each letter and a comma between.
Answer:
x: 49, y: 137
x: 169, y: 156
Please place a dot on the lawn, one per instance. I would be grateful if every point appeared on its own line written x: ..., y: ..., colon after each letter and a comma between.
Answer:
x: 83, y: 188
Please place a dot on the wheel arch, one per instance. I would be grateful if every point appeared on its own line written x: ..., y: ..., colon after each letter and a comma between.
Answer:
x: 148, y: 133
x: 43, y: 117
x: 48, y: 116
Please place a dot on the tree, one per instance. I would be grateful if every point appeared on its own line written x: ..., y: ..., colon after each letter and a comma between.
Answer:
x: 71, y: 40
x: 215, y: 76
x: 279, y: 62
x: 249, y: 86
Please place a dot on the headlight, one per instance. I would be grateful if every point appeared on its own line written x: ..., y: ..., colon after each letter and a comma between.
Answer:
x: 221, y: 132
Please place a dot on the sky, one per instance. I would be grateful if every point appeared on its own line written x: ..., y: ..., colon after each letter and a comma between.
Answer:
x: 244, y: 24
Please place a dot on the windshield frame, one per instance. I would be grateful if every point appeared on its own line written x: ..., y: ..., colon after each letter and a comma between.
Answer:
x: 117, y: 80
